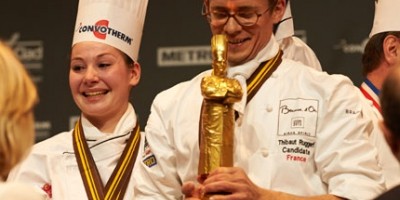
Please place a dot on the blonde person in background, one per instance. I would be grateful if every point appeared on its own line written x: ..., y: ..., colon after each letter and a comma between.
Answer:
x: 95, y: 160
x: 18, y: 97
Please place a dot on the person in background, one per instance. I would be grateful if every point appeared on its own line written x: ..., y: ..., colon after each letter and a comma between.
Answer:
x: 18, y: 96
x: 95, y: 160
x: 382, y: 51
x: 300, y: 134
x: 381, y: 54
x: 293, y: 47
x: 390, y: 104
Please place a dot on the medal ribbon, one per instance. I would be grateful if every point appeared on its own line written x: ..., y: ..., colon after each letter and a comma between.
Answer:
x: 119, y: 180
x: 371, y: 93
x: 262, y: 73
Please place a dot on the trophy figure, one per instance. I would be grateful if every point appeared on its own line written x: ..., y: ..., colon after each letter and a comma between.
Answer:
x: 217, y: 119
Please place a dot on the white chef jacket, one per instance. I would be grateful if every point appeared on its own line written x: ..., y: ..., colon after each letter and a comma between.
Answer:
x: 303, y: 133
x: 20, y: 191
x: 295, y: 49
x: 53, y: 161
x: 389, y: 163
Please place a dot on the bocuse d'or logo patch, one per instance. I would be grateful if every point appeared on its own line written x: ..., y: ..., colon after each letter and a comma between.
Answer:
x: 101, y: 29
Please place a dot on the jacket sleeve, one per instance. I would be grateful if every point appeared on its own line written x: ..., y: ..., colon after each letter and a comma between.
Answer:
x: 32, y: 171
x: 156, y: 175
x: 345, y: 158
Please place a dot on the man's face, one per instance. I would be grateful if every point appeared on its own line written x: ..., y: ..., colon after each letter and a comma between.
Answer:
x: 244, y: 42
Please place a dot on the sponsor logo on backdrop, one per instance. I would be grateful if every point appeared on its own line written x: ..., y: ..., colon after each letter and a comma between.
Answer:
x: 42, y: 130
x: 101, y: 29
x: 30, y: 53
x: 183, y: 56
x: 302, y: 34
x: 351, y: 48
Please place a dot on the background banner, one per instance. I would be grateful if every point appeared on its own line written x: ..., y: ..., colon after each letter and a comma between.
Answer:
x: 175, y: 46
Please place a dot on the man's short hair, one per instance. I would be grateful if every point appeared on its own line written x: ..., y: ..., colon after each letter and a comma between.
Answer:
x: 373, y: 52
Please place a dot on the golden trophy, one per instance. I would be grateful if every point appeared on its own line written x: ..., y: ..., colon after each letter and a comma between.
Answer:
x: 217, y: 119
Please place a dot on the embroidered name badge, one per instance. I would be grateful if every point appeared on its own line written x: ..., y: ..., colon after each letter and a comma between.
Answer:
x: 148, y: 157
x: 298, y: 117
x: 296, y: 148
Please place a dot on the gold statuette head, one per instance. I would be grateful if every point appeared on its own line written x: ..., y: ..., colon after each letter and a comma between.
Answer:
x: 219, y: 50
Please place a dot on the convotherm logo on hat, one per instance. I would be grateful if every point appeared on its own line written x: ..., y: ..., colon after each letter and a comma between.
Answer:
x: 101, y: 30
x: 118, y: 23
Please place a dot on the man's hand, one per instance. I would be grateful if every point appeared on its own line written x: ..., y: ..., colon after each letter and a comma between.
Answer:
x: 232, y: 183
x: 191, y: 191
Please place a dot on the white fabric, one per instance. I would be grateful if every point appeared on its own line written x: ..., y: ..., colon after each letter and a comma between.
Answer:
x: 118, y: 23
x: 286, y: 26
x: 386, y: 16
x: 245, y: 70
x: 335, y: 158
x: 241, y: 105
x: 295, y: 49
x: 20, y: 191
x: 53, y: 160
x: 388, y: 162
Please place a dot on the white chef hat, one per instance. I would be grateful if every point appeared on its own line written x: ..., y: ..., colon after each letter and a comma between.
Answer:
x: 386, y: 16
x: 118, y: 23
x: 285, y: 28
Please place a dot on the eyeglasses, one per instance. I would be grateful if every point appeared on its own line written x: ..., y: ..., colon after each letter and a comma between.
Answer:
x: 243, y: 18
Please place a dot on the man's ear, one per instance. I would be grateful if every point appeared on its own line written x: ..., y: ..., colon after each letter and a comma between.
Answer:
x: 391, y: 49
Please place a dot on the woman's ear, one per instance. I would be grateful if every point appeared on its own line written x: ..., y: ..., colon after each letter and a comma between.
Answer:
x: 135, y: 73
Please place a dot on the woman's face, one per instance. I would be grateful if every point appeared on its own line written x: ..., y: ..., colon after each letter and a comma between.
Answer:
x: 100, y: 80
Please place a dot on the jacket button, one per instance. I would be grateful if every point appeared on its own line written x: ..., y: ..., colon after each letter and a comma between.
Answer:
x: 264, y: 152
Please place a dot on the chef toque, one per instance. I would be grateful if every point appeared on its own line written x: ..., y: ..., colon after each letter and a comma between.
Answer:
x: 286, y: 27
x: 386, y: 16
x: 118, y: 23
